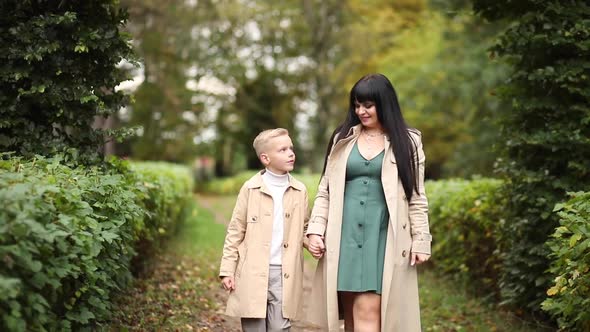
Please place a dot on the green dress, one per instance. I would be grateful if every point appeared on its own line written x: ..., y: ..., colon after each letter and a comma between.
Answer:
x: 364, y: 225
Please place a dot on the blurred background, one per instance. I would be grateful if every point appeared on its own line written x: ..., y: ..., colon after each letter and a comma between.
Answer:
x: 214, y: 73
x: 503, y: 105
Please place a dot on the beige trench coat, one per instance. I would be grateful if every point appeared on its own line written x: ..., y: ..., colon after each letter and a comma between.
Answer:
x: 246, y: 252
x: 408, y: 231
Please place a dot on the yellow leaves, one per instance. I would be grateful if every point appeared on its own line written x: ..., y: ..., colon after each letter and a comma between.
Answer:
x: 553, y: 291
x: 81, y: 48
x: 574, y: 239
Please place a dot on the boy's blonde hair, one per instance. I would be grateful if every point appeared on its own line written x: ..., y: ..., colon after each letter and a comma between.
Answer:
x: 261, y: 141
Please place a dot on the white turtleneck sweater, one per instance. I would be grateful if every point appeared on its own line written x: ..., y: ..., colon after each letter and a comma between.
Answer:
x: 277, y: 185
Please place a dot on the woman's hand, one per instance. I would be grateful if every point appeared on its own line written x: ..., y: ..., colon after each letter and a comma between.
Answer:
x: 418, y: 258
x: 316, y: 245
x: 228, y: 283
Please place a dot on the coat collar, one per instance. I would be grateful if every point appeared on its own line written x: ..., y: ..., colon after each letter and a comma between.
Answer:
x: 256, y: 182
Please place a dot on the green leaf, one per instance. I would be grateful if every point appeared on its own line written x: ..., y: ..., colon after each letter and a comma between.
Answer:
x: 558, y: 207
x: 81, y: 48
x: 574, y: 239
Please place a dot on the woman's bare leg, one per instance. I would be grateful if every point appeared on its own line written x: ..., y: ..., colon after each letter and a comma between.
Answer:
x: 366, y: 311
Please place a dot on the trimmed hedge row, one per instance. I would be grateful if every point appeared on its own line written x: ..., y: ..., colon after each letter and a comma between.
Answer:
x: 225, y: 186
x: 68, y: 234
x: 232, y: 185
x: 465, y: 219
x: 569, y: 297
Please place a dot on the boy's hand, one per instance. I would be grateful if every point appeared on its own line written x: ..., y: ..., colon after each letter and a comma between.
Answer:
x: 228, y: 283
x: 316, y: 245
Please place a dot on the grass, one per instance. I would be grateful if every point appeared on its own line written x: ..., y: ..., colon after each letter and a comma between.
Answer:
x: 447, y: 306
x: 200, y: 232
x: 181, y: 285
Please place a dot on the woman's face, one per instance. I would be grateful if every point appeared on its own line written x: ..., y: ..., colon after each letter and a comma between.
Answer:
x: 367, y: 113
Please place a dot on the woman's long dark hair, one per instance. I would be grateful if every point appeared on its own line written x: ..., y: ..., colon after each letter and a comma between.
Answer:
x: 378, y: 89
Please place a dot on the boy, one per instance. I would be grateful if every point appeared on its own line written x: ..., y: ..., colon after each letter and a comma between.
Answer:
x: 262, y: 263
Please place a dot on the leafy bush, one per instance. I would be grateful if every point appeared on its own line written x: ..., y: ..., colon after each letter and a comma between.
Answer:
x: 225, y: 186
x: 58, y: 71
x: 465, y: 218
x: 169, y: 190
x: 546, y: 132
x: 569, y: 297
x: 67, y: 236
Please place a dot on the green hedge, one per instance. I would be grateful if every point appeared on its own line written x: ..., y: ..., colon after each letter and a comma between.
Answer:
x: 465, y: 217
x: 67, y: 235
x: 169, y: 188
x: 569, y: 297
x: 232, y: 185
x: 225, y: 186
x: 544, y: 132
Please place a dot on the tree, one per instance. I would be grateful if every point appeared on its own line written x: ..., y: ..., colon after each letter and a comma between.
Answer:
x: 323, y: 44
x: 164, y: 109
x: 546, y: 132
x: 267, y: 70
x: 437, y: 61
x: 458, y: 87
x: 58, y: 71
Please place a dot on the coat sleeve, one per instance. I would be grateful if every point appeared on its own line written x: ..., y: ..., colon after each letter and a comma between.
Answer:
x: 236, y: 230
x: 306, y: 219
x: 319, y: 213
x: 418, y: 209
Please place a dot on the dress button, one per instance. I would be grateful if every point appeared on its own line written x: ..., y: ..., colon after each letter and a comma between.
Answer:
x: 404, y: 226
x: 288, y: 215
x: 254, y: 218
x: 362, y: 202
x: 365, y: 182
x: 404, y: 253
x: 360, y: 225
x: 286, y: 275
x: 285, y: 245
x: 360, y: 245
x: 367, y: 163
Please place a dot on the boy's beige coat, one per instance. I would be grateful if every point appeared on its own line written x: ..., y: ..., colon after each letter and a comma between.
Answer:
x: 408, y: 231
x: 246, y: 252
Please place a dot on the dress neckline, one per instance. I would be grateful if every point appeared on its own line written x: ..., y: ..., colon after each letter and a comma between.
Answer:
x: 359, y: 151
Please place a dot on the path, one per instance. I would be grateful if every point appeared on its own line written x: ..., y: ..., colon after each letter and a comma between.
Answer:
x: 221, y: 207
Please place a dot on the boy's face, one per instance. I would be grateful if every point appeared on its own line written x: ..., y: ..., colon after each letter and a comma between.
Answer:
x: 279, y: 156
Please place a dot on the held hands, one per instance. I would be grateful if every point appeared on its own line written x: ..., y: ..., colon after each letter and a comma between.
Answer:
x: 418, y: 258
x: 316, y: 246
x: 228, y: 283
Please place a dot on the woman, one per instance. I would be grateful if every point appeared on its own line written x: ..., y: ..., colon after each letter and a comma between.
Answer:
x: 369, y: 223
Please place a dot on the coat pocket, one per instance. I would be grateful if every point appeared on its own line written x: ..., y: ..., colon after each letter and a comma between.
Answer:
x: 242, y: 250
